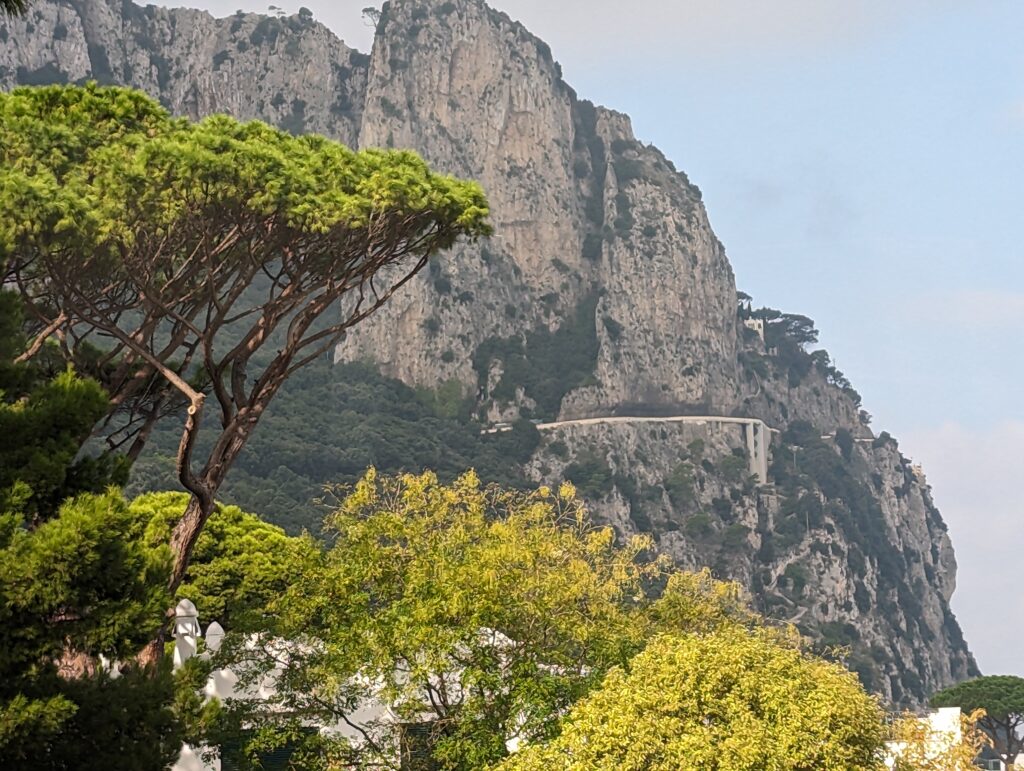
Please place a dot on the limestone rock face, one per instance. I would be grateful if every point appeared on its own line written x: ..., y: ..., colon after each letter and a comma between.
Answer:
x: 579, y: 206
x: 603, y: 291
x: 861, y: 558
x: 289, y: 71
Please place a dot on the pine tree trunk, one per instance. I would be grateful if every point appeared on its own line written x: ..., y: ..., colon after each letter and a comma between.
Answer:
x: 185, y: 535
x: 183, y: 539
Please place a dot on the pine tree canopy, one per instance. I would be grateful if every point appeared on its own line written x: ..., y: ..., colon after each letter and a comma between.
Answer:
x: 164, y: 254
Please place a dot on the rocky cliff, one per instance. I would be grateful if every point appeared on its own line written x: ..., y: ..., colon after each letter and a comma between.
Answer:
x: 604, y: 291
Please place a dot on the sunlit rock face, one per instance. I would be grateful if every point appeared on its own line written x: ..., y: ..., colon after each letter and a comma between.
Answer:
x: 603, y: 291
x: 292, y: 72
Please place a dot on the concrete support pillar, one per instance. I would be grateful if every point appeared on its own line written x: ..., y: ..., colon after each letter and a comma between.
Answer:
x: 756, y: 434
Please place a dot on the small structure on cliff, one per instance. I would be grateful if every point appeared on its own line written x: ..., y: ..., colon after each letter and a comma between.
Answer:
x: 755, y: 324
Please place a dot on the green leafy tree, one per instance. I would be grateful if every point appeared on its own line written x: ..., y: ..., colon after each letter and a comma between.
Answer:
x: 736, y: 700
x: 477, y: 612
x: 240, y: 562
x: 138, y: 242
x: 697, y: 603
x: 126, y: 723
x: 47, y: 413
x: 1002, y: 698
x: 78, y: 586
x: 76, y: 581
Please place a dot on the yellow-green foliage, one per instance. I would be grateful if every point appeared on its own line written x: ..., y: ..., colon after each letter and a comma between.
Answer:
x: 735, y: 700
x: 430, y: 583
x: 485, y: 611
x: 917, y: 746
x: 697, y: 603
x: 240, y: 563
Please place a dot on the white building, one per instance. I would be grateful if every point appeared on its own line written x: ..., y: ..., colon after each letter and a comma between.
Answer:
x: 225, y: 684
x: 943, y: 731
x: 757, y: 325
x: 942, y: 726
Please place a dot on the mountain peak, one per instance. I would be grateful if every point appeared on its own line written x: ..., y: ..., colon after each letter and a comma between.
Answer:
x: 603, y: 308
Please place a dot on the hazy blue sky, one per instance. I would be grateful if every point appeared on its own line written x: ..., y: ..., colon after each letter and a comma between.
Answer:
x: 863, y: 163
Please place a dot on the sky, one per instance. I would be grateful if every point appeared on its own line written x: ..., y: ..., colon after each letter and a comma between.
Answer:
x: 863, y: 163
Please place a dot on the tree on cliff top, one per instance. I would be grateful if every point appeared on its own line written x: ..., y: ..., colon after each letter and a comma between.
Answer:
x: 136, y: 240
x: 1002, y: 699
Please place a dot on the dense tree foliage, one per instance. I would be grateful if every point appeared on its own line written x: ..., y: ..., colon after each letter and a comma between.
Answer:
x: 735, y: 700
x: 1002, y: 698
x: 139, y: 235
x: 47, y: 413
x: 77, y: 581
x: 75, y: 587
x: 240, y: 562
x: 481, y: 612
x: 329, y: 423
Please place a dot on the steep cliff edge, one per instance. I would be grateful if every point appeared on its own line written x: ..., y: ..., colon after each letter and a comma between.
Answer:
x: 292, y: 72
x: 604, y: 291
x: 584, y: 215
